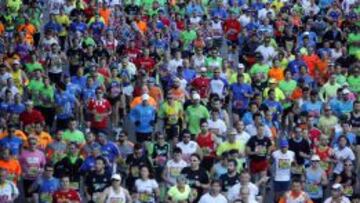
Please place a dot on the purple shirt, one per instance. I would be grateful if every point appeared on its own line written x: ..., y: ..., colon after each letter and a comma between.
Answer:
x: 32, y: 163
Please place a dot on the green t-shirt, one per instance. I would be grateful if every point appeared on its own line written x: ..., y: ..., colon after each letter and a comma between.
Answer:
x: 89, y: 41
x: 171, y: 113
x: 176, y: 195
x: 35, y: 86
x: 187, y: 37
x: 48, y: 95
x: 75, y: 136
x: 233, y: 78
x: 31, y: 67
x: 193, y: 116
x: 354, y: 48
x: 262, y: 69
x: 287, y: 86
x: 354, y: 83
x: 227, y: 146
x: 340, y: 79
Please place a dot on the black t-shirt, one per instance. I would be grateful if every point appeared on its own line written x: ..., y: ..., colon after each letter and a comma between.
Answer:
x: 228, y: 182
x: 193, y: 176
x: 97, y: 182
x: 134, y: 169
x: 132, y: 10
x: 354, y: 120
x: 75, y: 57
x: 297, y: 147
x: 160, y: 150
x: 261, y: 145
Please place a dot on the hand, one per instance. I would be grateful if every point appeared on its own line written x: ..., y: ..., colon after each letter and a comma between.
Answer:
x: 197, y: 183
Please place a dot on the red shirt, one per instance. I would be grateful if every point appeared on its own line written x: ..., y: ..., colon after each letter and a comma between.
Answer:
x: 31, y: 117
x: 180, y: 25
x: 234, y: 25
x: 314, y: 135
x: 132, y: 53
x: 202, y: 85
x: 146, y: 63
x: 165, y: 21
x: 206, y: 142
x: 62, y: 196
x: 100, y: 107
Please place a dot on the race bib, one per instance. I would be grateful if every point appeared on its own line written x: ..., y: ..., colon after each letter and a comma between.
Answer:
x: 312, y: 188
x: 284, y: 164
x: 348, y: 191
x: 116, y: 200
x: 175, y: 172
x: 261, y: 150
x: 46, y: 197
x: 135, y: 171
x: 144, y: 197
x: 33, y: 171
x: 324, y: 165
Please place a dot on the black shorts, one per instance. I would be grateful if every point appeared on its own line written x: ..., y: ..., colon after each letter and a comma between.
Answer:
x: 357, y: 140
x: 142, y: 137
x: 27, y: 184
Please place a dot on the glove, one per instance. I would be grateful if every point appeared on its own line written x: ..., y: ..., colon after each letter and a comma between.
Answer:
x: 137, y: 123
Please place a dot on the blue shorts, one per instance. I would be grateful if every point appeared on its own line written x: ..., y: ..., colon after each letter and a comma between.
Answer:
x: 281, y: 186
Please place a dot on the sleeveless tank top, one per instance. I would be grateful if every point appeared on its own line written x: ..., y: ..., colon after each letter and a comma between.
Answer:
x: 116, y: 197
x: 299, y: 199
x: 206, y: 141
x: 312, y: 185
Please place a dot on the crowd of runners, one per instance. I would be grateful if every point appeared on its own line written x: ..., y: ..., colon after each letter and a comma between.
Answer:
x: 179, y: 101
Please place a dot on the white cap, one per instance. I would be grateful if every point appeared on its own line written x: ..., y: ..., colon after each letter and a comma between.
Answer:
x: 16, y: 62
x: 145, y: 97
x: 337, y: 186
x: 196, y: 96
x: 346, y: 91
x: 240, y: 65
x: 315, y: 158
x: 116, y: 177
x: 203, y: 69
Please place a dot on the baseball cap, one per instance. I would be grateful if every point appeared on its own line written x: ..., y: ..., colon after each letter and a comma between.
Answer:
x: 203, y: 69
x: 284, y: 143
x: 145, y: 97
x: 273, y: 81
x: 346, y: 91
x: 240, y: 65
x: 196, y: 96
x: 315, y: 158
x: 337, y: 186
x: 116, y: 177
x: 16, y: 62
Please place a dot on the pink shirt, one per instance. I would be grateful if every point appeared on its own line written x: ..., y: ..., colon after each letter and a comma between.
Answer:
x: 32, y: 163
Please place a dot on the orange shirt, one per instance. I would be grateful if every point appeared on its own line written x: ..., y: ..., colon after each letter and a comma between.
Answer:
x: 322, y: 66
x: 294, y: 197
x: 296, y: 94
x: 155, y: 92
x: 178, y: 94
x: 13, y: 168
x: 105, y: 13
x: 44, y: 139
x: 137, y: 100
x: 18, y: 133
x: 28, y: 28
x: 142, y: 26
x: 311, y: 61
x: 2, y: 29
x: 276, y: 73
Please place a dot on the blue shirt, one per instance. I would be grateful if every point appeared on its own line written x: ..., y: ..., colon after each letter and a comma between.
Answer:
x: 16, y: 108
x: 344, y: 107
x: 221, y: 12
x: 78, y: 26
x: 312, y: 108
x: 295, y: 65
x: 350, y: 136
x: 110, y: 151
x: 14, y: 142
x: 248, y: 118
x: 53, y: 26
x: 88, y: 164
x: 66, y: 102
x: 145, y: 115
x: 274, y: 107
x: 81, y: 81
x: 47, y: 186
x: 239, y: 99
x: 189, y: 74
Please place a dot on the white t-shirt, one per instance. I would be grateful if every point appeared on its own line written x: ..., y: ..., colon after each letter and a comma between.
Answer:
x: 283, y: 165
x: 218, y: 125
x: 234, y: 192
x: 342, y: 154
x: 8, y: 191
x: 146, y: 187
x: 242, y: 137
x: 174, y: 170
x: 113, y: 196
x: 244, y: 20
x: 268, y: 53
x: 187, y: 149
x: 217, y: 86
x: 252, y: 130
x: 343, y: 200
x: 207, y: 198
